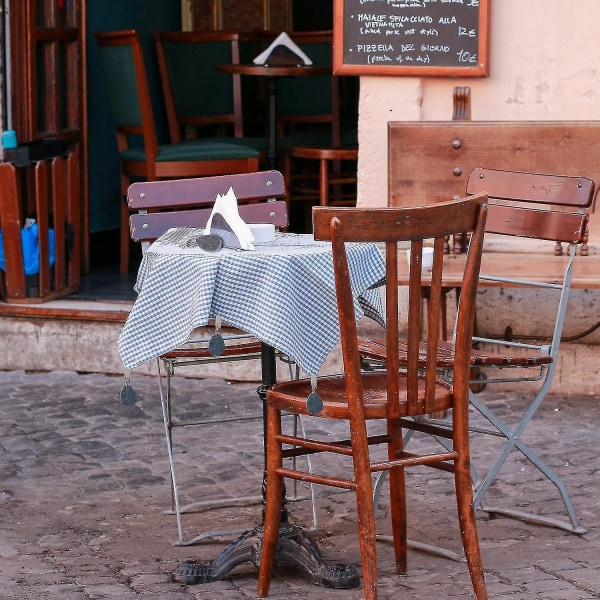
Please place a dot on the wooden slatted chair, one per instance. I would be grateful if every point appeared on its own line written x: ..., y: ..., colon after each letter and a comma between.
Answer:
x: 130, y: 100
x: 196, y: 95
x: 538, y: 207
x: 392, y: 396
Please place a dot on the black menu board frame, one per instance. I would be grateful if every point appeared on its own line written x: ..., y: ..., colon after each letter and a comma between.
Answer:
x: 432, y: 38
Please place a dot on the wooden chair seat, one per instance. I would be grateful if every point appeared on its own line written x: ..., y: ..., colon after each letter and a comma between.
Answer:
x: 332, y: 391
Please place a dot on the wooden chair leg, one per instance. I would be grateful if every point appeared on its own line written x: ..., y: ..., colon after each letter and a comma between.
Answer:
x: 366, y: 522
x: 468, y: 528
x: 324, y: 182
x: 398, y: 503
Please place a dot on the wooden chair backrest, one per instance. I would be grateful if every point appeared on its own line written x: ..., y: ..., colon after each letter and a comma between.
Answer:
x: 188, y: 202
x: 128, y: 89
x: 534, y: 205
x: 195, y: 92
x: 310, y: 99
x: 415, y: 225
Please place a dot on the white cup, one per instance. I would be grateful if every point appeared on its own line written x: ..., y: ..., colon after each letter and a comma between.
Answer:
x: 427, y: 258
x: 262, y: 232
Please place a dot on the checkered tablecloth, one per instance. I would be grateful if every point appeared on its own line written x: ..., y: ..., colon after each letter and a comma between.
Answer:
x: 282, y: 293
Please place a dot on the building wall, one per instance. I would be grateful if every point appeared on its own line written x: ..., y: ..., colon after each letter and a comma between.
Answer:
x: 544, y: 65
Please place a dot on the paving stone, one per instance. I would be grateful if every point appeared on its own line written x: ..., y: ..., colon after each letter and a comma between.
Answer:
x: 84, y: 499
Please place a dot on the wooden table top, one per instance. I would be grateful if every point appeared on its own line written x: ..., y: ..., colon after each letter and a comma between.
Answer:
x: 275, y: 70
x: 538, y: 267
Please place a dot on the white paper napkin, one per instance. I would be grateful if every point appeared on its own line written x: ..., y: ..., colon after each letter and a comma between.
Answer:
x: 283, y: 39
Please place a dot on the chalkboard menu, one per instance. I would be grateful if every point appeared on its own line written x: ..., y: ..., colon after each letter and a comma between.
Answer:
x: 411, y: 37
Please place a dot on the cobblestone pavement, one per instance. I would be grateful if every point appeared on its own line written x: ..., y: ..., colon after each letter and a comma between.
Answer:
x: 84, y: 493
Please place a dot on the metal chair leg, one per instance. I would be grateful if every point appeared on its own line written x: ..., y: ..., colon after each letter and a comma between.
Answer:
x: 176, y: 508
x: 514, y: 441
x: 164, y: 382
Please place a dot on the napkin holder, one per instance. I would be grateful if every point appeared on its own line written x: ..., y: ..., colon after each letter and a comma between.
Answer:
x: 282, y: 52
x: 225, y: 222
x: 221, y: 228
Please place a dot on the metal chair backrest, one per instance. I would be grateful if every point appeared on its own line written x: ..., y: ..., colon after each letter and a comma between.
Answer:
x: 188, y: 202
x: 415, y: 225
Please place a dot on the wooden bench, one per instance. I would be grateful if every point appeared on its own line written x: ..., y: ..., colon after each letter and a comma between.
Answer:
x: 432, y: 159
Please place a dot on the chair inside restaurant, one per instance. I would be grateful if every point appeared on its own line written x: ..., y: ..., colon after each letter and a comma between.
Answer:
x: 141, y: 154
x: 201, y: 102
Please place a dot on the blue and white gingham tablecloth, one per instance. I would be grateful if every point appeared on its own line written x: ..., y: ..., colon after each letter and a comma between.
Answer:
x: 283, y: 293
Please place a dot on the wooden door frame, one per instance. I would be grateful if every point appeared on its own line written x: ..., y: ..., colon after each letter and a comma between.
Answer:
x: 25, y: 35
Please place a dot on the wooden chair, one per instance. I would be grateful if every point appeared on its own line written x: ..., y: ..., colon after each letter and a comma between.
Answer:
x: 333, y: 184
x: 129, y: 95
x: 306, y: 105
x: 392, y: 396
x: 538, y: 207
x: 196, y: 94
x: 188, y: 203
x: 320, y: 152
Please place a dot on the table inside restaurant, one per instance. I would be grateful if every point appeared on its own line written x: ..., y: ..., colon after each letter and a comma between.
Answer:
x: 283, y: 293
x: 272, y: 74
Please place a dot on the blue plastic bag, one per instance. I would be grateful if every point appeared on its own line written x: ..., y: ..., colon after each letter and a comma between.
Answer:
x: 31, y: 249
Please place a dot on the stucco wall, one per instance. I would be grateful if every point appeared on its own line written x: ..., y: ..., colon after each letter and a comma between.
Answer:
x: 544, y: 61
x: 544, y: 65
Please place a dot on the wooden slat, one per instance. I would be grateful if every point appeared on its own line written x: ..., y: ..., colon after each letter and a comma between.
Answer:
x: 74, y: 218
x: 41, y: 191
x: 58, y: 199
x: 188, y: 192
x: 555, y: 190
x: 10, y: 217
x: 152, y: 225
x: 541, y: 225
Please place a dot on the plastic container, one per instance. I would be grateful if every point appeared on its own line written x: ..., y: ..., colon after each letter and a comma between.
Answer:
x: 9, y: 139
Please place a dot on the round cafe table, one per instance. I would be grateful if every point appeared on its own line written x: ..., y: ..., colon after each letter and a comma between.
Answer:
x: 272, y: 73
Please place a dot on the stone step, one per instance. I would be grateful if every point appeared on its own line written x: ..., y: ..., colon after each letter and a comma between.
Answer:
x: 82, y: 336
